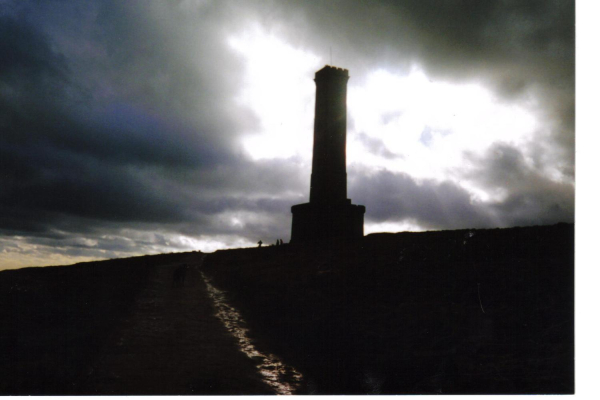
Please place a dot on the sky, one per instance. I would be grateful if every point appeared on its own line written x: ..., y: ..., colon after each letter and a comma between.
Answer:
x: 146, y: 127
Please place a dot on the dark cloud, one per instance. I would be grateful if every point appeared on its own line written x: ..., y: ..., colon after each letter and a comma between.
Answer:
x: 530, y: 196
x: 120, y: 129
x: 450, y: 38
x: 27, y: 60
x: 77, y: 163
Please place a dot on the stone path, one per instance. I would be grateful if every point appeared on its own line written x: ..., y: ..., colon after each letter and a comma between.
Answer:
x: 173, y: 343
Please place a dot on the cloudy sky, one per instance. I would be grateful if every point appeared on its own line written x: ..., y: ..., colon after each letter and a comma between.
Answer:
x: 147, y: 127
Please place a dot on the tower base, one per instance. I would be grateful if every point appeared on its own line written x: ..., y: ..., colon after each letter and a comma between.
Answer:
x: 323, y: 223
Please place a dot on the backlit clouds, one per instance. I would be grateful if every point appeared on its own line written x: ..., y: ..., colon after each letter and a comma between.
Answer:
x: 429, y: 125
x: 274, y: 71
x: 144, y: 127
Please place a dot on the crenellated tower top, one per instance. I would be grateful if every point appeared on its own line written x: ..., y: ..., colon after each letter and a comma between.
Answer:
x: 330, y: 70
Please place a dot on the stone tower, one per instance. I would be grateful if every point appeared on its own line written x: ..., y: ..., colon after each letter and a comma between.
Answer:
x: 329, y: 215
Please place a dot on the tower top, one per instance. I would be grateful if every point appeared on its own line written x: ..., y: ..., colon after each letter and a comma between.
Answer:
x: 329, y: 70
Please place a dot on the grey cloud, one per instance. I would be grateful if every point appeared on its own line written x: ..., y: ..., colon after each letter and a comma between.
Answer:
x: 531, y: 198
x: 376, y: 146
x: 448, y: 37
x: 27, y: 58
x: 433, y: 205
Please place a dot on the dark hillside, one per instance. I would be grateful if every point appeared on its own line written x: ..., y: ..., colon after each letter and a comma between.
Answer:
x: 54, y: 320
x: 116, y: 327
x: 469, y: 311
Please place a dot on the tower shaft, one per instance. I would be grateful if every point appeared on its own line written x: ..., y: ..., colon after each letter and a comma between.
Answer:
x: 328, y: 179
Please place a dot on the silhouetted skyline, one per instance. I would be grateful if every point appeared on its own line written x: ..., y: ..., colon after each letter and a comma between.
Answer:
x: 137, y: 128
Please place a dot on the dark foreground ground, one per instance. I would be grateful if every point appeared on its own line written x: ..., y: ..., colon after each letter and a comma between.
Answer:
x: 470, y: 311
x: 116, y: 327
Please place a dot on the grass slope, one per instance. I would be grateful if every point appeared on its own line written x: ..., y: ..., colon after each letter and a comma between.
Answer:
x: 116, y: 327
x: 470, y: 311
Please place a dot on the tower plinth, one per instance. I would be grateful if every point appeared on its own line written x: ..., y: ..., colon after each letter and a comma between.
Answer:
x: 329, y: 215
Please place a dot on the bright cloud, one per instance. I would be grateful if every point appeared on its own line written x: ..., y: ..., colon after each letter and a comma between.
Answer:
x: 427, y: 124
x: 391, y: 226
x: 279, y: 90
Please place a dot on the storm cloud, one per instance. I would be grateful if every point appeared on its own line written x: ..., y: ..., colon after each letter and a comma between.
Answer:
x: 125, y: 126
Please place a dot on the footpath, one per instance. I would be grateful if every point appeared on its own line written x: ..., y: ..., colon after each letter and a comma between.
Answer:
x: 173, y: 344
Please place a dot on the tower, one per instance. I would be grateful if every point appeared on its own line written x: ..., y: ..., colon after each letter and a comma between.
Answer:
x: 329, y: 215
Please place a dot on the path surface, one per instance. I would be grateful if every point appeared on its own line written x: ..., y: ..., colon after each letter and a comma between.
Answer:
x: 172, y: 343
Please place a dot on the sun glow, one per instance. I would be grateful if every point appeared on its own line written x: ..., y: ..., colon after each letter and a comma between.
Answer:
x: 211, y: 243
x: 280, y: 91
x: 392, y: 226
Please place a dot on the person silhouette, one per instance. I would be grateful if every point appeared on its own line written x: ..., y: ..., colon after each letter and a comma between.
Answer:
x: 260, y: 243
x: 179, y: 275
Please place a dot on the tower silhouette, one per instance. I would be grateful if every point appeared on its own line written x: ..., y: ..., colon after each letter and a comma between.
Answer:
x: 329, y: 215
